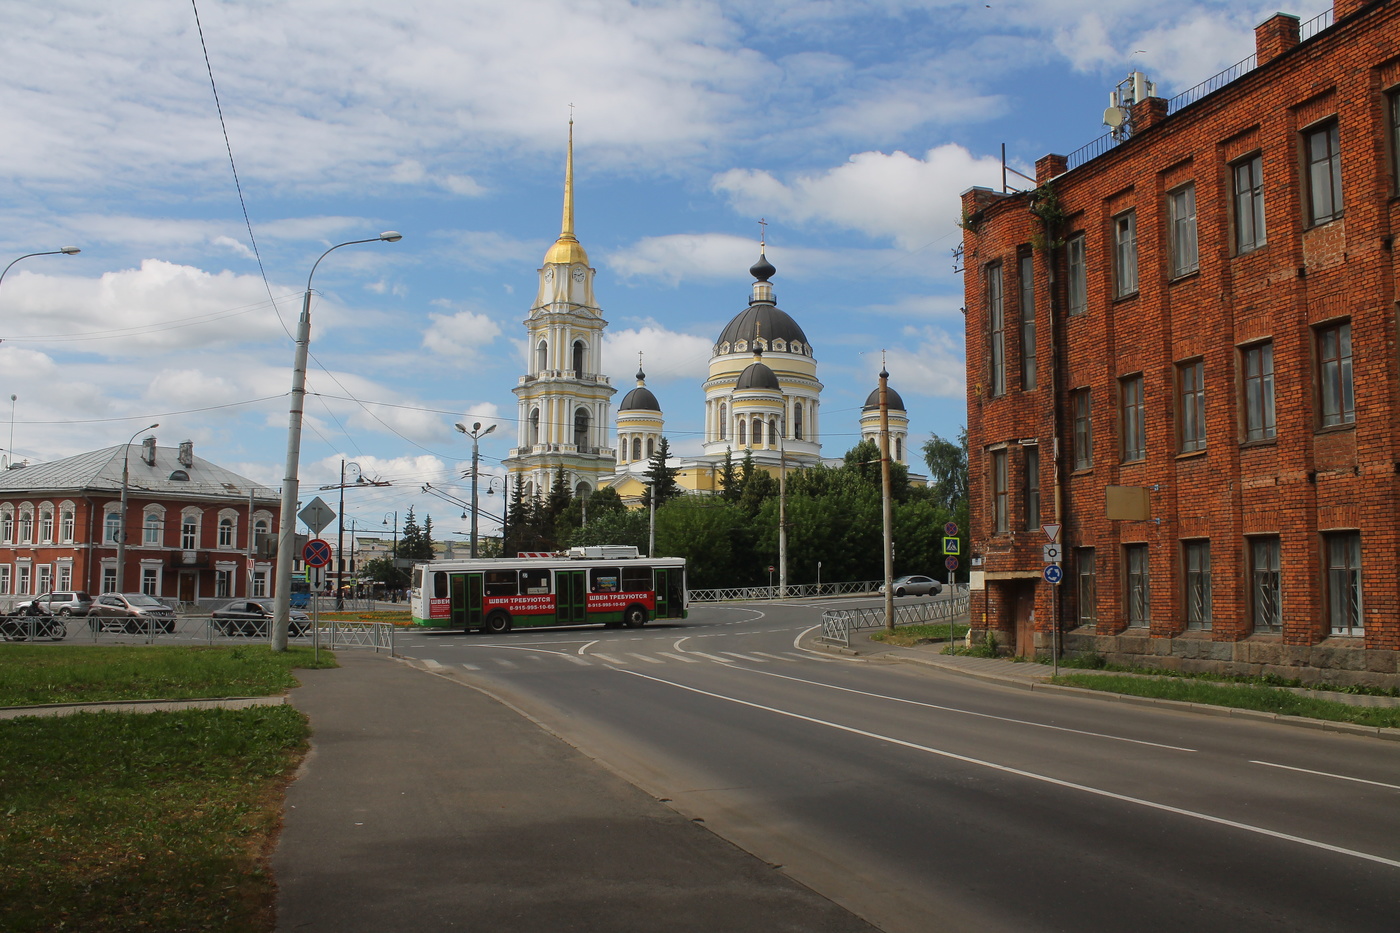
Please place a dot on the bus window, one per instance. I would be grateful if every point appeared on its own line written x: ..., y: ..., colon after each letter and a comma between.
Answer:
x: 501, y: 583
x: 603, y: 579
x: 636, y: 579
x: 534, y: 582
x: 417, y: 578
x: 439, y: 586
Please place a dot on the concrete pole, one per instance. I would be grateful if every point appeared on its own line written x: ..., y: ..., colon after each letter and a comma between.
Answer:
x: 887, y: 507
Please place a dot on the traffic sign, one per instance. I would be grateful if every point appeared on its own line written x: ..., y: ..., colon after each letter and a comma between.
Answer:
x: 951, y: 528
x: 950, y: 562
x: 1052, y: 532
x: 317, y: 553
x: 951, y: 546
x: 1050, y: 553
x: 317, y: 515
x: 1054, y: 573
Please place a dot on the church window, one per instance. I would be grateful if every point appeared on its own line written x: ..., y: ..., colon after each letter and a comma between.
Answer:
x: 723, y: 421
x: 742, y: 441
x: 757, y: 431
x: 651, y: 447
x: 534, y: 427
x: 578, y: 359
x: 899, y: 449
x: 724, y: 347
x: 541, y: 357
x: 581, y: 427
x: 796, y: 347
x: 740, y: 346
x: 636, y: 448
x: 780, y: 345
x: 772, y: 430
x: 797, y: 421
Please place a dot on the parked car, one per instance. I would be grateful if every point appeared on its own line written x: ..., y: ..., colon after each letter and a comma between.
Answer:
x: 63, y: 604
x: 250, y: 617
x: 133, y: 613
x: 915, y: 585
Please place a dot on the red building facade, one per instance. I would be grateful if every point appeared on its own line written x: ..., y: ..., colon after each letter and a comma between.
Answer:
x: 193, y: 528
x: 1182, y: 347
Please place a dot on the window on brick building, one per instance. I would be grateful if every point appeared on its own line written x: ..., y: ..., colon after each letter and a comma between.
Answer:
x: 1138, y: 591
x: 151, y: 534
x: 1125, y: 257
x: 1257, y: 361
x: 24, y: 580
x: 46, y: 526
x: 189, y: 533
x: 1132, y: 418
x: 1083, y: 429
x: 1025, y: 268
x: 259, y: 583
x: 1077, y: 277
x: 223, y: 583
x: 109, y: 579
x: 1086, y: 588
x: 7, y: 527
x: 66, y: 524
x: 1394, y: 100
x: 1266, y: 594
x: 150, y: 581
x: 1181, y: 222
x: 1191, y: 404
x: 1343, y: 555
x: 65, y: 577
x: 26, y: 526
x: 996, y: 320
x: 1032, y: 488
x: 1249, y: 204
x: 1322, y: 156
x: 1196, y: 560
x: 112, y: 528
x: 1001, y: 519
x: 1336, y: 399
x: 4, y: 579
x: 226, y: 532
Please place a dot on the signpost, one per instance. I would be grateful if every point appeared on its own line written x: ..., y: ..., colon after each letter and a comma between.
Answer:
x: 316, y: 553
x: 1053, y: 575
x: 951, y: 548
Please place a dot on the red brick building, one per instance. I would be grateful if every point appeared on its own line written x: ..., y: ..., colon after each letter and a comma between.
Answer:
x: 1183, y: 347
x: 192, y: 527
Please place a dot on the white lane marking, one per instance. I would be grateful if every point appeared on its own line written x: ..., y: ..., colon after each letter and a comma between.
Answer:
x: 775, y: 657
x: 808, y: 653
x: 430, y: 664
x: 471, y: 667
x: 504, y: 663
x: 642, y: 657
x: 968, y: 712
x: 569, y: 657
x: 1340, y: 777
x: 586, y: 645
x: 712, y: 657
x: 678, y: 657
x: 1031, y: 775
x: 744, y: 657
x: 607, y: 657
x: 806, y: 657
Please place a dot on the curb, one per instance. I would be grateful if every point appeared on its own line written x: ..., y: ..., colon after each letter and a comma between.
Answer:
x: 140, y: 706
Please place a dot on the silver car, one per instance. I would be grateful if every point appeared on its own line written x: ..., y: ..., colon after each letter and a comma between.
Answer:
x: 915, y: 585
x: 133, y: 613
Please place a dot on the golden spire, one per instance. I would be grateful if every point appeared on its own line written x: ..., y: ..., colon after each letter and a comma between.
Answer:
x: 567, y: 248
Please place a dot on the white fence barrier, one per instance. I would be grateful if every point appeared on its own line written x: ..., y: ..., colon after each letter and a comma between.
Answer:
x: 837, y: 624
x: 794, y: 591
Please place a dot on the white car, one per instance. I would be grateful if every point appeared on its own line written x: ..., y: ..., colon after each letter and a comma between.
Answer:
x: 914, y: 585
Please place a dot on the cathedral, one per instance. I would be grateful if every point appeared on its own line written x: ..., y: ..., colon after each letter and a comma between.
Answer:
x: 762, y: 394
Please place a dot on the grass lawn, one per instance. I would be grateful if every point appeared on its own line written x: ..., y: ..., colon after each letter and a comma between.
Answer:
x: 394, y: 616
x: 907, y: 636
x: 144, y: 821
x: 1239, y: 696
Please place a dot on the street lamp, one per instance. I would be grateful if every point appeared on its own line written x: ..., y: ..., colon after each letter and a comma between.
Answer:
x: 121, y: 535
x: 396, y: 545
x: 476, y: 434
x: 67, y: 251
x: 286, y: 532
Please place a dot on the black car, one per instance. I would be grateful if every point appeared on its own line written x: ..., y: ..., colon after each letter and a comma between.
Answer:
x: 249, y: 617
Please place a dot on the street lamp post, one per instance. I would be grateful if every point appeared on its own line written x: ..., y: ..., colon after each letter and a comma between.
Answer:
x: 126, y: 483
x: 396, y: 546
x: 476, y: 434
x: 286, y: 532
x: 66, y: 250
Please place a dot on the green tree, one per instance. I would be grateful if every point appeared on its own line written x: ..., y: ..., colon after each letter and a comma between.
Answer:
x: 947, y: 468
x: 416, y: 543
x: 380, y: 571
x: 621, y: 526
x: 730, y: 487
x: 710, y: 534
x: 661, y: 479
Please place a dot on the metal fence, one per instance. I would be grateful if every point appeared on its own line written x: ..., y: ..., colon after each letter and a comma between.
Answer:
x: 190, y: 630
x: 838, y: 624
x: 794, y: 591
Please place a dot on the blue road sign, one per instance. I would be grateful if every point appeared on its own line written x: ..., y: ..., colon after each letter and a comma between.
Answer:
x: 1054, y: 573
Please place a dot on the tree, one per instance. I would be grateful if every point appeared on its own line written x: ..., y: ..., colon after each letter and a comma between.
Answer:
x: 947, y: 467
x: 661, y: 479
x: 730, y: 486
x: 380, y: 571
x: 416, y: 543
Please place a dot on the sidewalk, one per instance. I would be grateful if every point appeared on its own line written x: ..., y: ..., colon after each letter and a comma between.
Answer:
x: 427, y: 805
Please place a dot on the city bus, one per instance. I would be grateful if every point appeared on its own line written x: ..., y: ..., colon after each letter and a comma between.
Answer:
x: 585, y: 588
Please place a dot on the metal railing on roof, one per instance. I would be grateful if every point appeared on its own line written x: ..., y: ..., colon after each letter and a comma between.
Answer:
x: 1213, y: 83
x: 1315, y: 25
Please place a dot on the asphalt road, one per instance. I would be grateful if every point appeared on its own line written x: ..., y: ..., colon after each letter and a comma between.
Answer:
x: 920, y: 800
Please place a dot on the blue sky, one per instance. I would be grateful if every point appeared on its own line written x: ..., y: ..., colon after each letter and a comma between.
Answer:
x: 850, y: 125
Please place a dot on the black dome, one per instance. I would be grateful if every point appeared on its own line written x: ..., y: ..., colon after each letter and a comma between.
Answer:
x: 639, y: 398
x: 763, y: 269
x: 872, y: 401
x: 761, y: 320
x: 757, y: 376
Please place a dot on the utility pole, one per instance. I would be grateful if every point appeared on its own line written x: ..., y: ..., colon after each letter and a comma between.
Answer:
x: 886, y: 506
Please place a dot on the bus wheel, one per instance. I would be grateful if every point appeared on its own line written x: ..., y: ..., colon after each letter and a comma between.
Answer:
x: 635, y: 617
x: 498, y: 623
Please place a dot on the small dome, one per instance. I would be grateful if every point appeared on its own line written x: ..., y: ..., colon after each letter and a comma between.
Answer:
x: 566, y: 250
x: 763, y: 269
x: 639, y: 398
x: 872, y: 401
x: 757, y: 376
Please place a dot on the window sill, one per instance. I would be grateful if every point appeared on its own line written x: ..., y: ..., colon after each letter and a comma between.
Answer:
x: 1266, y: 442
x: 1185, y: 277
x: 1335, y: 428
x: 1136, y: 461
x: 1192, y: 454
x: 1083, y: 471
x: 1252, y: 251
x: 1128, y: 297
x: 1319, y: 224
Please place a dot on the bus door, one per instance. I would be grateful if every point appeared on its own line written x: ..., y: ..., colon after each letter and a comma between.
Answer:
x: 466, y: 600
x: 571, y: 596
x: 670, y: 593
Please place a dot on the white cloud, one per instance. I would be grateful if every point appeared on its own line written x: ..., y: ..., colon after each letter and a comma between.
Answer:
x: 464, y: 335
x: 667, y: 356
x: 931, y: 362
x: 723, y: 257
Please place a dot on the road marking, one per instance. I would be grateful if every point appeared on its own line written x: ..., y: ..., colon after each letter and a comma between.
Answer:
x: 968, y: 712
x: 504, y: 663
x: 678, y: 657
x: 1043, y: 778
x: 744, y: 657
x: 609, y: 658
x: 775, y: 657
x: 471, y: 667
x: 642, y: 657
x: 712, y: 657
x: 1340, y: 777
x: 569, y: 657
x: 430, y: 664
x: 586, y: 645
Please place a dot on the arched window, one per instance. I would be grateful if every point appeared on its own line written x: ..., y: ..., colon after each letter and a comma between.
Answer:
x: 797, y: 421
x: 189, y: 532
x: 758, y: 432
x: 7, y: 527
x: 636, y: 448
x: 153, y: 528
x: 112, y: 528
x: 740, y: 430
x: 260, y: 529
x: 46, y: 526
x: 651, y: 447
x: 225, y: 532
x: 581, y: 428
x: 26, y: 526
x: 723, y: 421
x: 578, y: 359
x: 66, y: 525
x: 772, y: 431
x: 541, y: 356
x: 534, y: 426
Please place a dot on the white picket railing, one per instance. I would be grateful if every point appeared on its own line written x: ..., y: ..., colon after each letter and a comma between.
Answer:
x: 837, y: 624
x: 794, y: 591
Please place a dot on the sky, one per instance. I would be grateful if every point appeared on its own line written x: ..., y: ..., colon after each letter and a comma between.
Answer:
x: 849, y: 126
